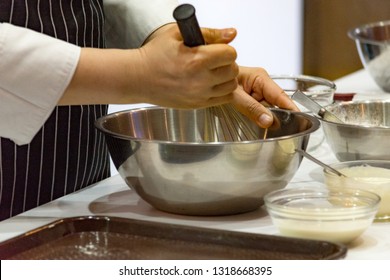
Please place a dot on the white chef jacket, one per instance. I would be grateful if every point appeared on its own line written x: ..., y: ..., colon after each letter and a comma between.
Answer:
x: 27, y: 58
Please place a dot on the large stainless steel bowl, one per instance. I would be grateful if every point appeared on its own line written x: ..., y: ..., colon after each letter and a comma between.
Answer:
x: 373, y: 45
x: 169, y: 158
x: 365, y: 133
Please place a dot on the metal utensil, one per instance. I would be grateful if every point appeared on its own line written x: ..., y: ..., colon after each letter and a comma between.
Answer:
x: 234, y: 124
x: 313, y: 106
x: 315, y: 160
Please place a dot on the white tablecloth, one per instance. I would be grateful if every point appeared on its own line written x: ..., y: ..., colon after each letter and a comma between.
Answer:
x: 112, y: 197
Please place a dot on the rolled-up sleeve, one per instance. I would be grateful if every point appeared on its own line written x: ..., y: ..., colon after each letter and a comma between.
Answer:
x: 35, y: 70
x: 129, y: 23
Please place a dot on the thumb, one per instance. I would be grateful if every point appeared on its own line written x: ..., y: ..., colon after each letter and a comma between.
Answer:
x: 219, y: 36
x: 251, y: 108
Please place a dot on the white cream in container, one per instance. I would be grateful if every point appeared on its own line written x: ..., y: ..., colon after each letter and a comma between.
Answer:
x: 370, y: 175
x: 322, y: 214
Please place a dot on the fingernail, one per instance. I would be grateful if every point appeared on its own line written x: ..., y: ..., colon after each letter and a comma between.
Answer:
x: 228, y: 33
x: 265, y: 120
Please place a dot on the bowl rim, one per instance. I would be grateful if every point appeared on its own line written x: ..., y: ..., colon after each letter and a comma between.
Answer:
x: 315, y: 79
x: 354, y: 33
x: 338, y: 104
x: 320, y: 212
x: 100, y: 121
x: 352, y: 163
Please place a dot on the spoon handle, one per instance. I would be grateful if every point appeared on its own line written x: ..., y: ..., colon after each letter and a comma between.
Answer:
x: 313, y: 106
x: 310, y: 157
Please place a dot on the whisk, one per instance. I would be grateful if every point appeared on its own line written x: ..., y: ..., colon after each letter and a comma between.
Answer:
x: 225, y: 122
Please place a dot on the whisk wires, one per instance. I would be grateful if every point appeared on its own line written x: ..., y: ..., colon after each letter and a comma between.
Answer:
x: 229, y: 124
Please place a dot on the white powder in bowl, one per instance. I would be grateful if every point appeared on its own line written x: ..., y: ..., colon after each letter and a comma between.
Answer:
x: 379, y: 68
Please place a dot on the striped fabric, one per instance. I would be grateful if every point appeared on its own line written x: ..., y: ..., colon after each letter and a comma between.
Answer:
x: 68, y: 153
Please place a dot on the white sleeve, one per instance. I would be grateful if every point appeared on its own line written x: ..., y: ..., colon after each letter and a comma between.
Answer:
x: 129, y: 22
x: 35, y: 70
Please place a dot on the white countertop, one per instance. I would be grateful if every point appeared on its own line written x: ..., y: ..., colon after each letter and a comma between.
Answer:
x: 112, y: 197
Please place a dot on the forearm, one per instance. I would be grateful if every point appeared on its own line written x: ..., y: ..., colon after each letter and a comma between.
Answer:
x: 109, y: 76
x: 105, y: 76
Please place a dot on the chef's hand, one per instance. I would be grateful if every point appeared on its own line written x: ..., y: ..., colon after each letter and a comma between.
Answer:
x: 163, y: 71
x: 175, y: 75
x: 256, y: 92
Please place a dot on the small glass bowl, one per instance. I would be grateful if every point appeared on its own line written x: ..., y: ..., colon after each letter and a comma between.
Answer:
x: 369, y: 175
x: 331, y: 215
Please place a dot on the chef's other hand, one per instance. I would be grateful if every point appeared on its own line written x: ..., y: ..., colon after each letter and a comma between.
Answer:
x: 174, y: 75
x: 255, y: 92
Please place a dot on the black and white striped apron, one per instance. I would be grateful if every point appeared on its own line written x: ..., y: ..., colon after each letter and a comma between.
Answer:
x: 68, y: 153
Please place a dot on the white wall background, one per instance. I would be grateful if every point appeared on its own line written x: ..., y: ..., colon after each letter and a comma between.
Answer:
x: 269, y: 33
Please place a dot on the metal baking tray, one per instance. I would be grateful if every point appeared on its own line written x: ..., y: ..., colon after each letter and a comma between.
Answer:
x: 101, y: 237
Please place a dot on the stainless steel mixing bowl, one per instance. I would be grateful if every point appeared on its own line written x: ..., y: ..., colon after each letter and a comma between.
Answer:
x: 172, y: 159
x: 365, y: 133
x: 373, y: 45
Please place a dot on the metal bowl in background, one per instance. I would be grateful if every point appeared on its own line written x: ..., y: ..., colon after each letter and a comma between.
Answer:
x: 172, y: 160
x: 364, y: 133
x: 373, y: 45
x: 319, y: 89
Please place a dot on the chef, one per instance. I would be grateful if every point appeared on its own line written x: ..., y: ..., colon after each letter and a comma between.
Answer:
x: 61, y: 64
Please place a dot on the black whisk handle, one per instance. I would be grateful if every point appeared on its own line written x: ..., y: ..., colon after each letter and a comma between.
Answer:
x: 188, y: 25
